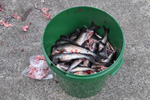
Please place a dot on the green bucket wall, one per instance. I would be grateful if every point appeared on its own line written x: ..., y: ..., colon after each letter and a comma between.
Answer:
x: 65, y: 23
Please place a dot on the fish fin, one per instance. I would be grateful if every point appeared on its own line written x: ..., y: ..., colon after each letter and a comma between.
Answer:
x: 69, y: 69
x: 96, y: 48
x: 106, y: 29
x: 97, y: 57
x: 109, y: 60
x: 103, y: 52
x: 94, y: 26
x: 104, y: 55
x: 91, y: 58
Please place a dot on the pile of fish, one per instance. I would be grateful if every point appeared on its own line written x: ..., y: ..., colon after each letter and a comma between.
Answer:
x: 84, y: 51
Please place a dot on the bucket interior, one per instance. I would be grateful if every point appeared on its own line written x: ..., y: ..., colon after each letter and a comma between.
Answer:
x: 67, y: 21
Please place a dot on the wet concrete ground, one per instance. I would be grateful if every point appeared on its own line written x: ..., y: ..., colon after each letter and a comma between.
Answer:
x: 132, y: 82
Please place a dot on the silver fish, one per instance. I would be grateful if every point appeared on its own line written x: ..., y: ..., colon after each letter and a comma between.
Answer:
x: 79, y: 68
x: 75, y: 34
x: 86, y: 34
x: 92, y: 39
x: 107, y: 62
x: 91, y: 44
x: 70, y: 56
x: 99, y: 67
x: 62, y: 66
x: 61, y: 42
x: 101, y: 46
x: 74, y: 64
x: 94, y: 47
x: 86, y: 63
x: 104, y: 39
x: 70, y: 48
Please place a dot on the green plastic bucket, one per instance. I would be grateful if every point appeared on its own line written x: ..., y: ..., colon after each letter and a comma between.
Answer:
x: 65, y: 23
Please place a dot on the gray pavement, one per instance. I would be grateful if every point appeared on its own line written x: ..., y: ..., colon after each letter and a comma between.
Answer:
x: 132, y: 82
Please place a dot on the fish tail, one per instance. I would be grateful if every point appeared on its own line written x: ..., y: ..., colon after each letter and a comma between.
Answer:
x: 104, y: 55
x: 106, y: 29
x: 103, y: 52
x: 94, y: 26
x: 69, y: 69
x: 97, y: 57
x: 92, y: 59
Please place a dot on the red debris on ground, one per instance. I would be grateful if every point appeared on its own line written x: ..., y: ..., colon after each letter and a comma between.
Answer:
x: 45, y: 10
x: 38, y: 68
x: 1, y: 7
x: 25, y: 28
x: 16, y: 16
x: 24, y: 36
x: 22, y: 50
x: 45, y: 13
x: 46, y: 16
x: 4, y: 23
x: 56, y: 81
x: 1, y: 43
x: 29, y: 23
